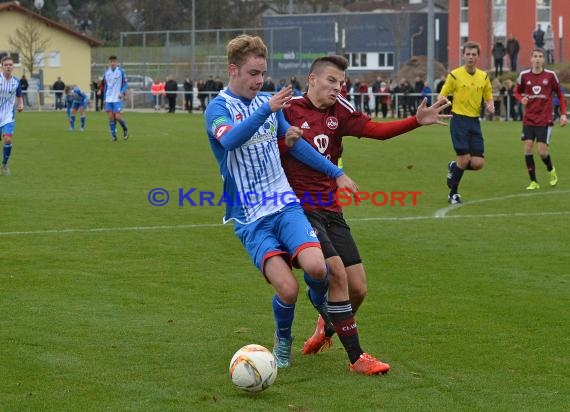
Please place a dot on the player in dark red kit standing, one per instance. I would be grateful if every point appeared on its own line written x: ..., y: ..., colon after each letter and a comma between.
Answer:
x: 535, y: 90
x: 325, y: 116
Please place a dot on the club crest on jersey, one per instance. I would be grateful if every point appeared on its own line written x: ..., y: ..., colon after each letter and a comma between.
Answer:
x: 312, y: 233
x: 536, y: 89
x: 321, y: 141
x: 332, y: 122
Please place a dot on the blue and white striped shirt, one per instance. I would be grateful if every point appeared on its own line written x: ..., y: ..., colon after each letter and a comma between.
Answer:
x: 9, y: 90
x: 249, y: 161
x: 115, y: 84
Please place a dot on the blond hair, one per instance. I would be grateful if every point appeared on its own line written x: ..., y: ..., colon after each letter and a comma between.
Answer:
x: 241, y: 47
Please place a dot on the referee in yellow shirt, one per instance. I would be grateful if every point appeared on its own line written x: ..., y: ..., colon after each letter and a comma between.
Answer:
x: 469, y: 86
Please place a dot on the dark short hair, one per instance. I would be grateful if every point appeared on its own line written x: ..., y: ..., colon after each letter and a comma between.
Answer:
x: 113, y: 58
x: 334, y: 60
x: 7, y: 57
x: 471, y: 45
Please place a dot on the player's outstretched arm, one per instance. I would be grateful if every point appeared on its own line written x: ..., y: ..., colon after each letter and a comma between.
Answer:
x: 427, y: 115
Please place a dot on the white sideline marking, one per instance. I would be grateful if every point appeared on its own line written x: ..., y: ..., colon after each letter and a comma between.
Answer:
x: 443, y: 212
x: 109, y: 229
x: 206, y: 225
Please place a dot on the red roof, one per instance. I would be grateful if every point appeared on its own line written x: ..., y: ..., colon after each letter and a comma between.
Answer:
x: 15, y: 6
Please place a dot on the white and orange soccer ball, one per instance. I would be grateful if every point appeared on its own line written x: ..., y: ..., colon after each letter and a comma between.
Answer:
x: 253, y: 368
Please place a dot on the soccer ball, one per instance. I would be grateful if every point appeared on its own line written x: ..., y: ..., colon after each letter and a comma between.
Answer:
x: 253, y: 368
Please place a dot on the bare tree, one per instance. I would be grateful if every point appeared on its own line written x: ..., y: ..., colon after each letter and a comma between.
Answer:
x: 30, y: 43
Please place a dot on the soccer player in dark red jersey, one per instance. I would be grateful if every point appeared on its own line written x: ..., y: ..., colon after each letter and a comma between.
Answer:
x: 325, y: 117
x: 535, y: 90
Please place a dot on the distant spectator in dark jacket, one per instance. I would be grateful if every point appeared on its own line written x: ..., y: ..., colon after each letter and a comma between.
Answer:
x: 209, y: 88
x: 218, y: 86
x: 268, y: 85
x: 202, y: 96
x: 58, y: 87
x: 513, y: 48
x: 171, y: 87
x: 188, y: 94
x: 24, y: 85
x: 499, y: 52
x: 538, y: 37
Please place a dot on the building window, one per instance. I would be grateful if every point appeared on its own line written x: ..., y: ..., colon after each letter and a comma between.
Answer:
x: 39, y: 60
x: 463, y: 20
x: 499, y: 18
x: 386, y: 60
x: 543, y: 13
x: 54, y: 59
x: 356, y: 59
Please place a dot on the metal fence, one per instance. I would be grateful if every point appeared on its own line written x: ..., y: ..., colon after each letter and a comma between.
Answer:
x: 399, y: 105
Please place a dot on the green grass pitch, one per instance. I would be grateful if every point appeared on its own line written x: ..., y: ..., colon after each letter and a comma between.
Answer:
x: 108, y: 303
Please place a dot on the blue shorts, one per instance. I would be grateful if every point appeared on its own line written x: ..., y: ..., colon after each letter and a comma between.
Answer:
x: 7, y: 129
x: 78, y: 105
x: 286, y: 232
x: 466, y: 135
x: 116, y: 107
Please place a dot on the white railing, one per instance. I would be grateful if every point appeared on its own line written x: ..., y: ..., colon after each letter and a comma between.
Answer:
x: 399, y: 104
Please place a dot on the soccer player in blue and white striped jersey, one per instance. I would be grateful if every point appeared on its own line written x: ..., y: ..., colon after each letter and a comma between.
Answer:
x: 10, y: 94
x: 244, y: 126
x: 113, y: 88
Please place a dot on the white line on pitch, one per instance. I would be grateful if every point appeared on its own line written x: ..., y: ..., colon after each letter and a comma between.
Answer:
x: 444, y: 211
x: 109, y: 229
x: 213, y: 225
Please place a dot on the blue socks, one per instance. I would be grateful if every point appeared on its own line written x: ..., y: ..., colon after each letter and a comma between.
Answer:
x: 113, y: 127
x: 284, y: 315
x: 7, y: 151
x: 318, y: 289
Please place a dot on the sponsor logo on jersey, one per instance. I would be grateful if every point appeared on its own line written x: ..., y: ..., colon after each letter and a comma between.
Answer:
x: 221, y: 130
x: 220, y: 120
x: 536, y: 89
x: 305, y: 125
x: 321, y: 142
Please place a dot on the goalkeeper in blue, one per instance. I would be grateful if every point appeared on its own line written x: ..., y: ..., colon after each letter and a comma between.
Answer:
x: 79, y: 102
x: 244, y: 127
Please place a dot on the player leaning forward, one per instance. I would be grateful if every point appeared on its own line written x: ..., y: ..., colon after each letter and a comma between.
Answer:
x: 243, y: 127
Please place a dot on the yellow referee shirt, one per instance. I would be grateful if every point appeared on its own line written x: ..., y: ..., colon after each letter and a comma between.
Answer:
x: 468, y: 90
